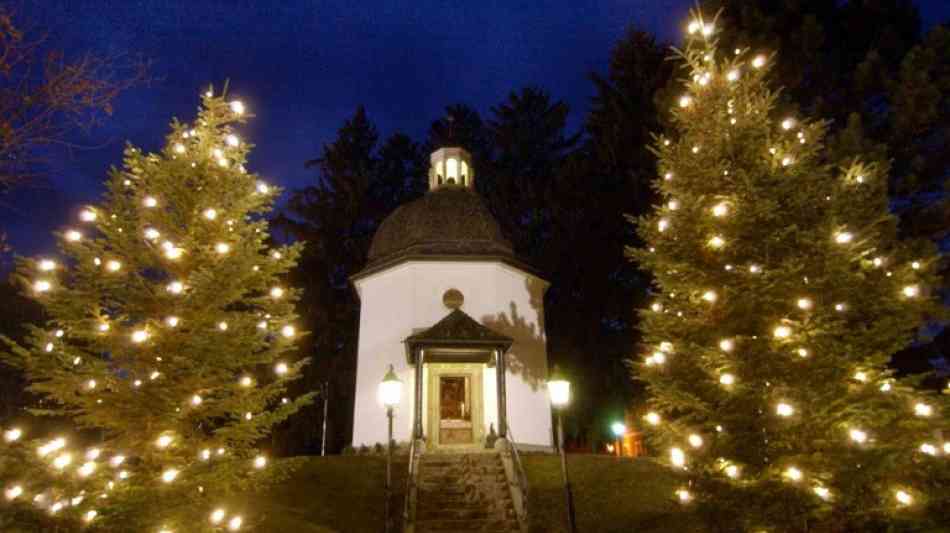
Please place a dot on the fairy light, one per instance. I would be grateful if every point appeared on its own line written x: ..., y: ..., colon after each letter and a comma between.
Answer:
x: 666, y: 346
x: 685, y: 101
x: 91, y: 384
x: 222, y: 248
x: 663, y: 224
x: 784, y: 409
x: 164, y: 441
x: 658, y: 358
x: 793, y: 473
x: 915, y: 265
x: 911, y: 291
x: 732, y: 471
x: 175, y: 287
x: 262, y: 324
x: 843, y: 237
x: 288, y: 331
x: 179, y: 148
x: 56, y: 507
x: 788, y: 124
x: 720, y: 210
x: 246, y: 381
x: 695, y: 441
x: 93, y: 453
x: 946, y: 447
x: 281, y: 368
x: 822, y: 492
x: 117, y: 460
x: 710, y: 296
x: 861, y: 376
x: 903, y: 497
x: 154, y: 375
x: 716, y: 241
x: 103, y: 327
x: 237, y: 107
x: 782, y: 332
x: 656, y: 307
x: 787, y: 160
x: 858, y: 436
x: 150, y: 201
x: 73, y: 235
x: 86, y: 469
x: 232, y: 140
x: 235, y: 523
x: 755, y: 269
x: 928, y: 448
x: 42, y: 286
x: 12, y: 434
x: 48, y: 347
x: 673, y: 205
x: 804, y: 304
x: 62, y: 461
x: 727, y: 345
x: 727, y: 379
x: 223, y: 326
x: 172, y: 321
x: 841, y: 307
x: 732, y: 75
x: 684, y: 495
x: 923, y: 410
x: 758, y: 61
x: 171, y: 251
x: 210, y: 213
x: 677, y: 457
x: 652, y: 418
x: 196, y: 400
x: 885, y: 387
x: 217, y: 516
x: 262, y: 187
x: 260, y: 462
x: 139, y: 336
x: 13, y: 492
x: 693, y: 27
x: 113, y: 266
x: 169, y: 475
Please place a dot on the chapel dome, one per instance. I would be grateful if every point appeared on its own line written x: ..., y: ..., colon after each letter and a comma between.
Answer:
x: 450, y: 220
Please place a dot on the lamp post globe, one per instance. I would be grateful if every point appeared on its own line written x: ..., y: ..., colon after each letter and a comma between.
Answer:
x: 390, y: 389
x: 619, y: 429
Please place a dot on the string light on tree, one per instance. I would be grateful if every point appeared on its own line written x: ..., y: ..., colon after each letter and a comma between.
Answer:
x: 784, y: 410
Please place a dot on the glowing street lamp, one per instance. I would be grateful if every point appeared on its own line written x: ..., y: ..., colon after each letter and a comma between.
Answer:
x: 559, y: 390
x: 390, y: 392
x: 619, y: 429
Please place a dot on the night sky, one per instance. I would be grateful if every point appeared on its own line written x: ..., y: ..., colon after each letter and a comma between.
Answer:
x: 304, y: 67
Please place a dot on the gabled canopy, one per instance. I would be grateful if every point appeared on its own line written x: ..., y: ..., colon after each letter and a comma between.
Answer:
x: 457, y: 337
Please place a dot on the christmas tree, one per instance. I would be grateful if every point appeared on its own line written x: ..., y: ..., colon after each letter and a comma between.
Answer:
x: 781, y: 292
x: 169, y: 343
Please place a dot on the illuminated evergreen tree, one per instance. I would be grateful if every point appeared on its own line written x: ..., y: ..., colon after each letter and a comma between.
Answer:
x: 169, y: 342
x: 781, y: 293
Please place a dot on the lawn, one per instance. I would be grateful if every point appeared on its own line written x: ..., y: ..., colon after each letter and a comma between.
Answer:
x: 344, y: 494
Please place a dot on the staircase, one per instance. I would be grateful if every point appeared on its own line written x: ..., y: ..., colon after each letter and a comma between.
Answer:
x: 464, y: 492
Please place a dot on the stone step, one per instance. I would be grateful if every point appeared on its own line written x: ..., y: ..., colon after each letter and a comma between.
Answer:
x: 424, y: 526
x: 450, y: 513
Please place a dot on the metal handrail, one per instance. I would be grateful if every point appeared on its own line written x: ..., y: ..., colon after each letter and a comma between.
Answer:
x: 410, y: 484
x: 522, y: 475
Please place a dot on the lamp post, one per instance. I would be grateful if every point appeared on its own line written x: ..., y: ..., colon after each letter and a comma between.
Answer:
x: 559, y: 390
x: 619, y: 430
x: 390, y: 391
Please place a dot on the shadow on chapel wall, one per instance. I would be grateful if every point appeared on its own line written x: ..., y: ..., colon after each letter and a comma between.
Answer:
x: 527, y: 356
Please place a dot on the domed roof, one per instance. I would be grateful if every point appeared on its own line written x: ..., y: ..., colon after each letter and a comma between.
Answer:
x: 447, y: 221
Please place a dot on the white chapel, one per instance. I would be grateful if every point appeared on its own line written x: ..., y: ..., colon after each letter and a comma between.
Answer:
x: 446, y: 302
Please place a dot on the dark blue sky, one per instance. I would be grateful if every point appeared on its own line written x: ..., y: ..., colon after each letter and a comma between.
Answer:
x: 303, y: 67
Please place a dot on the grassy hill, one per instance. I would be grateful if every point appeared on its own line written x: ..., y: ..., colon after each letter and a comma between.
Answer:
x: 345, y: 494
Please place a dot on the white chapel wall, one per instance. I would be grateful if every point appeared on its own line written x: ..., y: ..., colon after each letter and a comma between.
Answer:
x: 397, y: 302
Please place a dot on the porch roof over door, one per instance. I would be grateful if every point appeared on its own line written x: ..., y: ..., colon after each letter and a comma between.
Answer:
x: 457, y: 337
